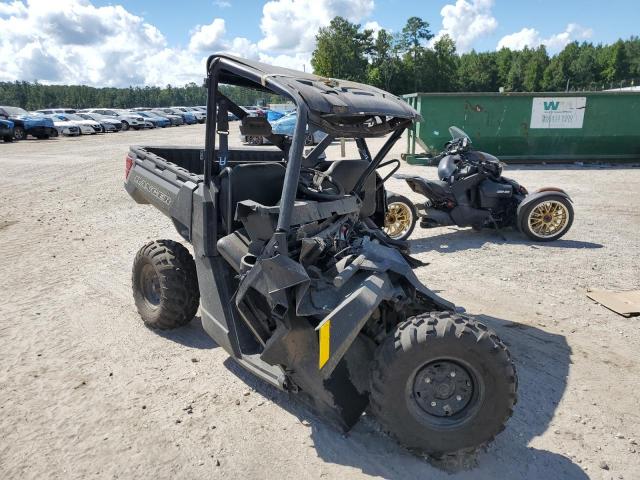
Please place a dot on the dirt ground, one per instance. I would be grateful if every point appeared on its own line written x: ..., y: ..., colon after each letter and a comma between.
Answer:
x: 86, y: 391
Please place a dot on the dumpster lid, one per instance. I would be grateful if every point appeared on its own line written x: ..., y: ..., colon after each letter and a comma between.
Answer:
x: 324, y: 96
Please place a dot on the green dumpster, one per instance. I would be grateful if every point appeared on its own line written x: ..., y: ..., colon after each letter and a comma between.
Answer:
x: 531, y: 127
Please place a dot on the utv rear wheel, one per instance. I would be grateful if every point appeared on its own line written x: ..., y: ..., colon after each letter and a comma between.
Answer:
x: 165, y: 284
x: 400, y: 219
x: 443, y: 384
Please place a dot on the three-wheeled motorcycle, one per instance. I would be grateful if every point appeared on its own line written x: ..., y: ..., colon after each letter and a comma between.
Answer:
x: 295, y: 279
x: 471, y: 192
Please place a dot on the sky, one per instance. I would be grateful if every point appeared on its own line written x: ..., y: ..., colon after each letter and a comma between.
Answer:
x: 145, y: 42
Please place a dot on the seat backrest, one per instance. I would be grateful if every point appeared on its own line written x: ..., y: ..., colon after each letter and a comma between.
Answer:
x: 260, y: 182
x: 347, y: 173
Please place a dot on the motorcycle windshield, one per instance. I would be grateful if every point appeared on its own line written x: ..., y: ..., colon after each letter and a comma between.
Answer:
x: 456, y: 133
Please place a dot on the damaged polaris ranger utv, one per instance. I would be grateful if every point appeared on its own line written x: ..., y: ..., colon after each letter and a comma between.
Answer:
x: 294, y: 277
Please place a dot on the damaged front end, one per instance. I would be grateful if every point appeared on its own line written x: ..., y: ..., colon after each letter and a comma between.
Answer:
x: 321, y: 310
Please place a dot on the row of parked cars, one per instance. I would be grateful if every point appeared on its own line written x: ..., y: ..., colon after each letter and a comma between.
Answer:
x: 17, y: 124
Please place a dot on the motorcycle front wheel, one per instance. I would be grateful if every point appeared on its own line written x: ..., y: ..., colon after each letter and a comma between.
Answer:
x: 401, y: 217
x: 547, y: 218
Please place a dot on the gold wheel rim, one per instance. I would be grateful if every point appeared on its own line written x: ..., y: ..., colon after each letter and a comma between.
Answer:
x: 398, y: 219
x: 548, y: 219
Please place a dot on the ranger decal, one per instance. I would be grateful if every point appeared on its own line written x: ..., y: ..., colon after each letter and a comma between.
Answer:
x: 153, y: 190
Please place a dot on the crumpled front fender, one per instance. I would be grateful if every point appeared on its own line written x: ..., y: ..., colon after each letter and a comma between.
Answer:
x: 339, y: 328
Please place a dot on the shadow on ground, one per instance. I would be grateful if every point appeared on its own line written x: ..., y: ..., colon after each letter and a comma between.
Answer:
x: 542, y: 360
x: 191, y: 335
x: 455, y: 240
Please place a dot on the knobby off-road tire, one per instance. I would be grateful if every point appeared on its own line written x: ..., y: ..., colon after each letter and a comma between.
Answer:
x: 165, y: 284
x: 443, y: 384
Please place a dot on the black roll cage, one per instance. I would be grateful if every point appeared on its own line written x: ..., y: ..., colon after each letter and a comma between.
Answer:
x: 218, y: 105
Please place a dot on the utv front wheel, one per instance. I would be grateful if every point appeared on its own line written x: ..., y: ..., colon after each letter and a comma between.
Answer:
x: 165, y: 284
x: 443, y: 384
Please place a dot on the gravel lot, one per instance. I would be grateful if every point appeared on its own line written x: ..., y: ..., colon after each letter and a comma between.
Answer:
x: 86, y: 391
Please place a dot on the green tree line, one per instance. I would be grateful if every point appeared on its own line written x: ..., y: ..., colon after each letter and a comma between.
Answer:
x: 403, y: 62
x: 408, y: 62
x: 34, y: 96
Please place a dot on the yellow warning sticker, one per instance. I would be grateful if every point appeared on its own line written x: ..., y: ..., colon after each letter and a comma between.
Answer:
x: 325, y: 335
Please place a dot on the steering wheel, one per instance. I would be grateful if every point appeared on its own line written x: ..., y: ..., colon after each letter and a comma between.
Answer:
x: 318, y: 185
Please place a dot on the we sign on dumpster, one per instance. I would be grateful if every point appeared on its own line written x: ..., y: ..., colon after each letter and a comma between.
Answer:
x: 558, y: 112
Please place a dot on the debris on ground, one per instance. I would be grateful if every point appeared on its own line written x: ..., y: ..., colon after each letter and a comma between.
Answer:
x: 625, y: 303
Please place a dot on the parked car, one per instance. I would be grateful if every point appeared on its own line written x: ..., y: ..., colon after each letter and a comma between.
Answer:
x: 286, y: 124
x: 156, y: 120
x: 64, y: 127
x: 28, y: 124
x: 128, y: 119
x: 92, y: 127
x: 51, y: 111
x: 175, y: 120
x: 200, y: 116
x: 273, y: 115
x: 188, y: 117
x: 6, y: 130
x: 108, y: 124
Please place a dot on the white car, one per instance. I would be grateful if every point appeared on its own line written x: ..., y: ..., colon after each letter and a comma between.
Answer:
x: 109, y: 124
x: 199, y: 114
x: 66, y: 128
x: 96, y: 127
x: 128, y: 119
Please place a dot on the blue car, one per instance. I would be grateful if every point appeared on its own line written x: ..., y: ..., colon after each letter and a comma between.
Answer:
x: 286, y: 124
x: 6, y: 130
x: 27, y: 124
x: 158, y: 121
x: 188, y: 117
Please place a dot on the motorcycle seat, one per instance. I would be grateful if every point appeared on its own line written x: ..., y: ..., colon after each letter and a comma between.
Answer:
x: 427, y: 187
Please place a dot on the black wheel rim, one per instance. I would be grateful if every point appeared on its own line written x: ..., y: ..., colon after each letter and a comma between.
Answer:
x: 150, y: 286
x: 445, y: 392
x: 19, y: 134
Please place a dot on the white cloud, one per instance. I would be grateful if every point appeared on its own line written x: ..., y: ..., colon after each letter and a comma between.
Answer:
x: 530, y: 37
x: 13, y: 8
x: 375, y: 26
x: 298, y: 61
x: 466, y: 21
x: 290, y: 26
x: 76, y: 42
x: 222, y: 3
x: 73, y: 41
x: 208, y: 37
